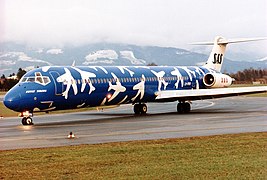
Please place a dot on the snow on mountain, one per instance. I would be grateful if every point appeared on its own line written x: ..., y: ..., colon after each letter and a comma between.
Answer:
x: 129, y: 55
x: 14, y: 56
x: 29, y: 68
x: 19, y: 56
x: 7, y: 63
x: 39, y: 50
x: 101, y: 56
x: 263, y: 59
x: 54, y: 51
x: 182, y: 52
x: 200, y: 63
x: 11, y: 61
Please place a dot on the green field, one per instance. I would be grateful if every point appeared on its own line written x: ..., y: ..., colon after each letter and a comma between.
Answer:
x: 2, y: 93
x: 5, y: 112
x: 240, y: 156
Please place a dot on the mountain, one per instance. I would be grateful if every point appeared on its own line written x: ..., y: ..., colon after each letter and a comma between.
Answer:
x: 264, y: 60
x: 14, y: 56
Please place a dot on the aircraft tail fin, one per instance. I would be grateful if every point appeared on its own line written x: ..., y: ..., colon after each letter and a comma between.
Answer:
x: 215, y: 59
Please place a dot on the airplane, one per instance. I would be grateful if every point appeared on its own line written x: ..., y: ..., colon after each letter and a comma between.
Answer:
x: 51, y: 88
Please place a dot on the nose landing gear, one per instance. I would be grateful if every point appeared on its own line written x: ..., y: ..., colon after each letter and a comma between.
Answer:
x: 27, y: 121
x: 26, y: 118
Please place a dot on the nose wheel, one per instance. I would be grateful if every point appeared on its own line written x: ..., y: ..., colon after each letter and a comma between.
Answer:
x: 26, y: 121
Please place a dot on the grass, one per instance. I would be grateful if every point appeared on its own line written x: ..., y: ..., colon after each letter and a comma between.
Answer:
x: 5, y: 112
x: 240, y: 156
x: 257, y: 95
x: 247, y: 85
x: 2, y: 93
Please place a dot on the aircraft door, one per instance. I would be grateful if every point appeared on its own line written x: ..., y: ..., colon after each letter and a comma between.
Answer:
x: 59, y: 87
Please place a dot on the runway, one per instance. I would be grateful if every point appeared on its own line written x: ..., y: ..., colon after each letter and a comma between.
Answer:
x: 220, y: 116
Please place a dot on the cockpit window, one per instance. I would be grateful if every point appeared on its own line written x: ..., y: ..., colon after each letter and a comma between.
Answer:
x: 38, y: 78
x: 23, y: 79
x: 31, y: 79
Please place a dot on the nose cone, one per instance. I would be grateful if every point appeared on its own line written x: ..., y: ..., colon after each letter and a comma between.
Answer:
x: 12, y: 100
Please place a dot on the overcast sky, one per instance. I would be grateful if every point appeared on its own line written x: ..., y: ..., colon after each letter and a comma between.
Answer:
x: 142, y: 22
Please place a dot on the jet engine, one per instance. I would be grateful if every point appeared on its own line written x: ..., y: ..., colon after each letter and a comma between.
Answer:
x: 216, y: 80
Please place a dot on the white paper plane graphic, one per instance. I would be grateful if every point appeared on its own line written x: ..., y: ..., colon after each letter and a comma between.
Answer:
x: 179, y: 76
x: 160, y: 79
x: 189, y: 72
x: 140, y: 87
x: 118, y: 88
x: 86, y: 77
x: 122, y: 68
x: 69, y: 81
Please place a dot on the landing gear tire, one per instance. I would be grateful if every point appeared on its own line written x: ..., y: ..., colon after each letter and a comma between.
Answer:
x: 26, y: 121
x: 183, y: 108
x: 140, y: 108
x: 180, y: 108
x: 143, y: 109
x: 137, y: 108
x: 187, y: 107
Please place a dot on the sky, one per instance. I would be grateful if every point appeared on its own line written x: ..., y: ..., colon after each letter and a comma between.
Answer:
x: 172, y: 23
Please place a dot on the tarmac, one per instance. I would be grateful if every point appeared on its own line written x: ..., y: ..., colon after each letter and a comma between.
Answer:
x: 212, y: 117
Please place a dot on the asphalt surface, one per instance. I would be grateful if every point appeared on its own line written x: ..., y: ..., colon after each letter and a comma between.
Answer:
x: 220, y: 116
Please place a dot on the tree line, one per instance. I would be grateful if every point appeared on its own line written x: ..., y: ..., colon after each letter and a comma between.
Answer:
x: 7, y: 83
x: 250, y: 75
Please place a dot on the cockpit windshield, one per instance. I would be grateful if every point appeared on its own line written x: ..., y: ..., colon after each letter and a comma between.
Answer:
x: 38, y: 78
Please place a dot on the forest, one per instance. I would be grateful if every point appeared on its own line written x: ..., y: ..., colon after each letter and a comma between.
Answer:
x: 249, y: 75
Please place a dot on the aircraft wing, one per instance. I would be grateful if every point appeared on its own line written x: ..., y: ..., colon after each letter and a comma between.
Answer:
x: 199, y: 94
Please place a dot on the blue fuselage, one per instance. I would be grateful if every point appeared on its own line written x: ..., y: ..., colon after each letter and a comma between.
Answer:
x: 55, y: 88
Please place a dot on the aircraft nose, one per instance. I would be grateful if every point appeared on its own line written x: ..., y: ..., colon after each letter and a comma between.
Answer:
x: 11, y: 100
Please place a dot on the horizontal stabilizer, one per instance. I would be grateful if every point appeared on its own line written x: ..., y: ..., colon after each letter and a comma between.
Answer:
x: 229, y: 41
x: 241, y: 40
x: 216, y: 57
x: 202, y: 43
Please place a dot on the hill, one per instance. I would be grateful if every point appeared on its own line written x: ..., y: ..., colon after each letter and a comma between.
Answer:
x: 14, y: 56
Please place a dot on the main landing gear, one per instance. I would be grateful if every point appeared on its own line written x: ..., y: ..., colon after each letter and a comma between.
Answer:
x: 26, y: 118
x: 183, y: 107
x: 140, y: 108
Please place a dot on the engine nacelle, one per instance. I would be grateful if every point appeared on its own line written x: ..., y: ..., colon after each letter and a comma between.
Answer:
x: 216, y: 80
